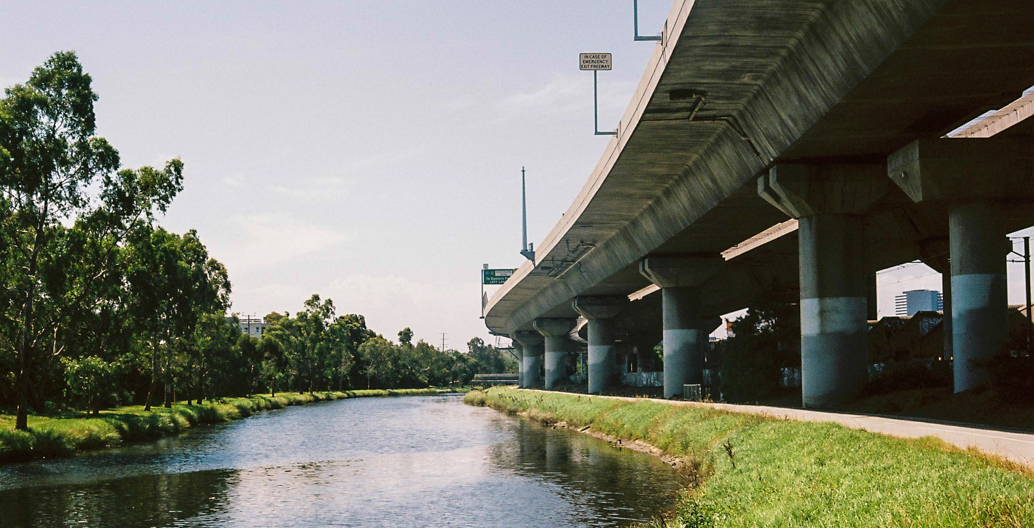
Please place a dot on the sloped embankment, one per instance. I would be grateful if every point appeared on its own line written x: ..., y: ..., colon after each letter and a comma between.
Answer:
x: 757, y: 471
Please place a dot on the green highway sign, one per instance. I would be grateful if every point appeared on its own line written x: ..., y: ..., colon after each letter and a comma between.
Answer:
x: 495, y: 276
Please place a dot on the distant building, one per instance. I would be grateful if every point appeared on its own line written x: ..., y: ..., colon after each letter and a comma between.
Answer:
x: 253, y: 326
x: 913, y: 301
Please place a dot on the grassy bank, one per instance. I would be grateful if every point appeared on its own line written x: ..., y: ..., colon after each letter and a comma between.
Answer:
x: 66, y: 434
x: 757, y: 471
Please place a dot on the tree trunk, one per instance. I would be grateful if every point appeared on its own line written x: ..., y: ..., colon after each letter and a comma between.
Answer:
x: 251, y: 375
x: 26, y: 346
x: 199, y: 387
x: 154, y: 375
x: 25, y: 354
x: 168, y: 377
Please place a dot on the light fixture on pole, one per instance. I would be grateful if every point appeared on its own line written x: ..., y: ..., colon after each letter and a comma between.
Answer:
x: 527, y: 250
x: 635, y: 25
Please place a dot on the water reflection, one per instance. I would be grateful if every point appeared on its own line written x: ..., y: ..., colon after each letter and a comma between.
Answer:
x: 619, y: 485
x: 385, y: 462
x: 157, y: 500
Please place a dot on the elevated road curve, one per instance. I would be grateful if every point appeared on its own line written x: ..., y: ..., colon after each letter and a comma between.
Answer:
x: 754, y: 117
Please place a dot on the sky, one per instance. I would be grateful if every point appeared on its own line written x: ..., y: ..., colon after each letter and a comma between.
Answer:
x: 367, y: 151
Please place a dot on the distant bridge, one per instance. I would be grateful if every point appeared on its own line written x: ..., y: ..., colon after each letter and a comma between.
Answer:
x: 491, y: 380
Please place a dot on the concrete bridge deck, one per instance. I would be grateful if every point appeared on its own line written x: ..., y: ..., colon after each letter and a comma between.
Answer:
x: 752, y: 113
x: 738, y: 86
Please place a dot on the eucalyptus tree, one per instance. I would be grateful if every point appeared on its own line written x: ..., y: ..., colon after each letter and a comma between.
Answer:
x: 406, y: 336
x: 354, y: 326
x: 215, y: 342
x: 274, y: 361
x: 313, y: 353
x: 379, y: 361
x: 249, y: 359
x: 154, y: 277
x: 50, y: 158
x: 205, y: 293
x: 341, y: 354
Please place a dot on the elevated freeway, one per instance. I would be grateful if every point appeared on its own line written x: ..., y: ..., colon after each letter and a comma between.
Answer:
x: 780, y: 149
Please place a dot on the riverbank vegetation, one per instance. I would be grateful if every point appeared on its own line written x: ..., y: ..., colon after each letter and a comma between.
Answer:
x: 100, y: 306
x: 756, y: 471
x: 66, y: 434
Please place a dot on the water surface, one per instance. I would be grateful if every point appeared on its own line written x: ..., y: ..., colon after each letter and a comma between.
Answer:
x: 415, y: 461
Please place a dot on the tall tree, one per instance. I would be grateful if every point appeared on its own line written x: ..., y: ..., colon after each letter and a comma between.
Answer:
x: 207, y: 290
x: 251, y: 362
x: 155, y: 280
x: 49, y: 158
x: 312, y: 355
x: 406, y: 336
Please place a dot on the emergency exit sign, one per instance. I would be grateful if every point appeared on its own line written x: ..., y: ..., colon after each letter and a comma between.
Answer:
x: 595, y: 61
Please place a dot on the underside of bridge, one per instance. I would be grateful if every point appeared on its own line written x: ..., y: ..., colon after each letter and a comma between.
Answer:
x: 779, y: 150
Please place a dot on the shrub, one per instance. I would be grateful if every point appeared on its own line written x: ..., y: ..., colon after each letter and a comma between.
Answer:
x: 92, y: 382
x: 476, y: 398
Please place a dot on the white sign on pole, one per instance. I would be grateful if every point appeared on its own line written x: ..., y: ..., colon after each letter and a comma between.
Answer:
x: 595, y: 61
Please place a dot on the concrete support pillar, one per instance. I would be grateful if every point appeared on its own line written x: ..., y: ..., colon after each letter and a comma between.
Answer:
x: 834, y: 349
x: 980, y: 323
x: 531, y: 344
x: 683, y: 338
x: 981, y: 181
x: 555, y: 333
x: 829, y: 201
x: 602, y: 361
x: 683, y: 353
x: 519, y: 350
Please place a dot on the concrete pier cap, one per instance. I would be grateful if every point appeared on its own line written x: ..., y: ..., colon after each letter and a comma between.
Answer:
x: 531, y: 357
x: 555, y: 332
x: 829, y: 201
x: 602, y: 360
x: 801, y: 191
x: 676, y: 272
x: 979, y: 180
x: 684, y: 330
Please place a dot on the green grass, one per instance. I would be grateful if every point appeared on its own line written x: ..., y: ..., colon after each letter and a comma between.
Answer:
x: 67, y: 434
x: 784, y: 473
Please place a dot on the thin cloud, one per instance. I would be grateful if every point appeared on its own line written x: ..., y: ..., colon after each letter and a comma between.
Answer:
x: 324, y: 188
x: 566, y: 95
x: 234, y: 180
x: 268, y: 239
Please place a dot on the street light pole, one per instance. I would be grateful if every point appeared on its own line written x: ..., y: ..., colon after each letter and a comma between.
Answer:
x: 527, y: 251
x: 1026, y: 276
